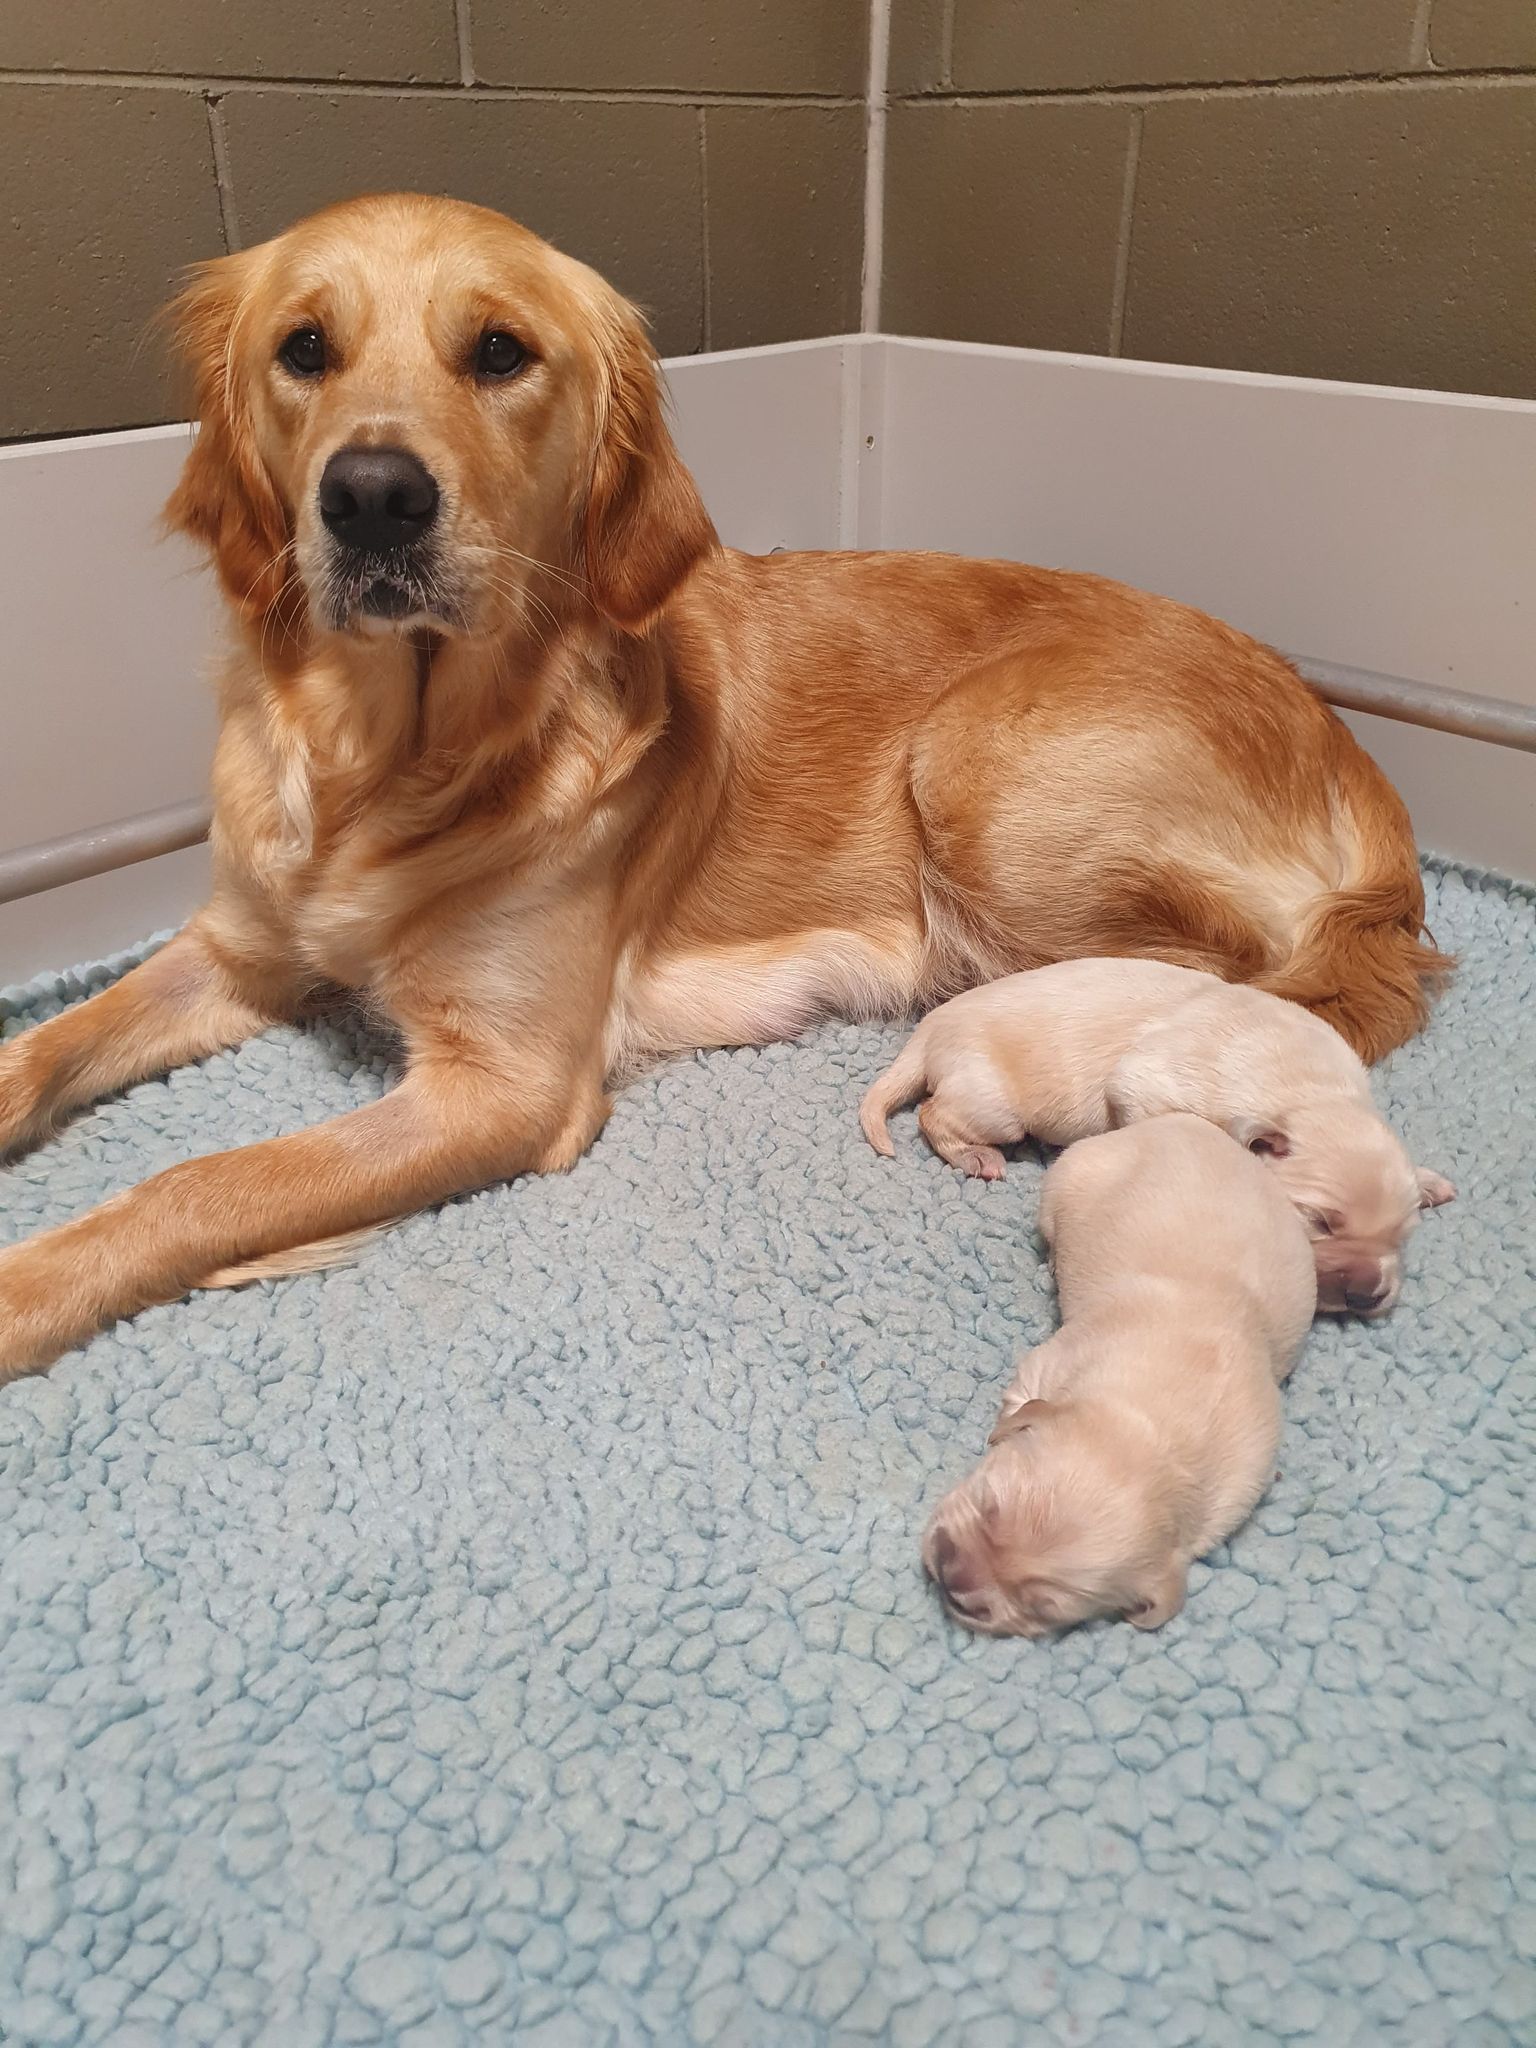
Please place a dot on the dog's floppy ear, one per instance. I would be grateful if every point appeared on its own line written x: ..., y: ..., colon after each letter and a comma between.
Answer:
x: 225, y: 499
x: 645, y: 522
x: 1434, y: 1188
x: 1014, y: 1421
x: 1263, y: 1136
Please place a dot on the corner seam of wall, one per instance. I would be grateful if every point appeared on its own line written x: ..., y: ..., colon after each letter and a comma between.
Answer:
x: 875, y: 101
x: 707, y: 308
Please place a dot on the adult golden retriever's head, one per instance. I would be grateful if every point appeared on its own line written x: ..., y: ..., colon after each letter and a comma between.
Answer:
x: 414, y: 414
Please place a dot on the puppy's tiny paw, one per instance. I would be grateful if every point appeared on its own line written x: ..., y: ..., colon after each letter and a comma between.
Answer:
x: 982, y: 1162
x: 1434, y: 1188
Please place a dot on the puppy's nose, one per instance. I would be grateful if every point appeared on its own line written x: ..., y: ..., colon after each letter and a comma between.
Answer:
x: 960, y: 1578
x: 375, y: 499
x: 1364, y: 1301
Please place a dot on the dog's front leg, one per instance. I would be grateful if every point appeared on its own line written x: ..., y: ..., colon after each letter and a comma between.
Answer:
x: 189, y: 999
x: 470, y: 1110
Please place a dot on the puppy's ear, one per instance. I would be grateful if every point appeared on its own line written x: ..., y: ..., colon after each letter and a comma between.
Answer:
x: 1158, y: 1596
x: 1260, y: 1135
x: 226, y: 499
x: 645, y: 522
x: 1434, y: 1188
x: 1014, y: 1421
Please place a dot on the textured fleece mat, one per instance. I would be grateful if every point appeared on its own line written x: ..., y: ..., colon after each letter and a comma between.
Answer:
x: 519, y: 1636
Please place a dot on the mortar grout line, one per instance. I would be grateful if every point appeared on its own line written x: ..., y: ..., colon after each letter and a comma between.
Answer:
x: 709, y: 307
x: 947, y: 44
x: 462, y: 27
x: 1230, y: 89
x: 437, y: 89
x: 1418, y: 40
x: 1127, y: 221
x: 876, y: 99
x: 223, y: 176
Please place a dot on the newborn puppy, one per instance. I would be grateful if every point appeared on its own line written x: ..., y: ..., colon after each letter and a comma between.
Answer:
x: 1064, y: 1052
x: 1144, y: 1431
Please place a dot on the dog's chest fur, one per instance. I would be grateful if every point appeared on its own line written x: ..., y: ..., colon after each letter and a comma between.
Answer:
x: 366, y: 829
x: 298, y: 817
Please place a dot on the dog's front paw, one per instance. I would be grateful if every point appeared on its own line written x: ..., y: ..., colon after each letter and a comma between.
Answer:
x: 31, y: 1331
x: 1159, y: 1597
x: 1434, y: 1189
x: 22, y: 1122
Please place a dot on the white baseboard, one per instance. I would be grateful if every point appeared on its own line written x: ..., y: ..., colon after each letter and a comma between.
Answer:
x: 1387, y: 530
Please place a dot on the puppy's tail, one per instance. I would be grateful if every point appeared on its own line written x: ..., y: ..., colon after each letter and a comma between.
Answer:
x: 897, y: 1086
x: 1362, y: 958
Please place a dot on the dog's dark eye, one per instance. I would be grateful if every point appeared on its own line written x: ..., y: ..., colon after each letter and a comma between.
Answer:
x: 499, y: 354
x: 1323, y: 1225
x: 303, y: 353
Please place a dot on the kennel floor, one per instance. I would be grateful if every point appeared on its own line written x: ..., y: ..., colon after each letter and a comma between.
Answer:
x: 519, y: 1634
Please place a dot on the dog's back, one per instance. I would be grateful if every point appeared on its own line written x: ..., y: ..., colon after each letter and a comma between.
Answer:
x: 1174, y: 1206
x: 1033, y: 1052
x: 1231, y: 1049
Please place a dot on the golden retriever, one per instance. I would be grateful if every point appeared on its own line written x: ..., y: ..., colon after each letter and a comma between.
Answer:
x: 1140, y: 1435
x: 512, y: 745
x: 1063, y: 1052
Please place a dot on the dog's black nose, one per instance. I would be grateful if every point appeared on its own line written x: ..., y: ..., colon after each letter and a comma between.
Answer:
x: 375, y: 499
x: 1362, y: 1302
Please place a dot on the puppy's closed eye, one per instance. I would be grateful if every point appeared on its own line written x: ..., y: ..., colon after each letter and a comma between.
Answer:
x: 1014, y: 1421
x: 1047, y: 1605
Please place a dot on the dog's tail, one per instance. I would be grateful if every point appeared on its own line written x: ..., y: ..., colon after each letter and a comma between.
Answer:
x: 900, y: 1084
x: 299, y: 1258
x: 1362, y: 958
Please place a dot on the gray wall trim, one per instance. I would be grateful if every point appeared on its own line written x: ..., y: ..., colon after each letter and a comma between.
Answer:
x: 50, y: 863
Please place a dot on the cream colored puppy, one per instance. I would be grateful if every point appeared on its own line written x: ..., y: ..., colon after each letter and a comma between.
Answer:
x: 1144, y: 1431
x: 1067, y: 1051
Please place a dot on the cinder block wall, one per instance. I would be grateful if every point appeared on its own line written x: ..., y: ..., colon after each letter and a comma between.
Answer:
x: 1333, y: 188
x: 708, y: 155
x: 1330, y: 187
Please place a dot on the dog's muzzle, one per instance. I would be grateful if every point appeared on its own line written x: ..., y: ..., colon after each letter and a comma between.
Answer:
x: 379, y: 506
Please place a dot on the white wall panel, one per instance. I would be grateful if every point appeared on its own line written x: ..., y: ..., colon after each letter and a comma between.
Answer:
x: 1388, y: 530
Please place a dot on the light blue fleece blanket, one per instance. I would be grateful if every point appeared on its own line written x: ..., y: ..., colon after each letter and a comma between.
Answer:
x: 519, y: 1636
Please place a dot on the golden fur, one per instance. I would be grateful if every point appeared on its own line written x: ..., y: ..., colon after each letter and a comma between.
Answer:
x: 1142, y: 1434
x: 615, y: 790
x: 1068, y: 1051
